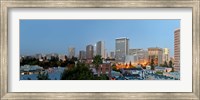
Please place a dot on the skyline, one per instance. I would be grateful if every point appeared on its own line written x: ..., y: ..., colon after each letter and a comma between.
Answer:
x: 56, y: 36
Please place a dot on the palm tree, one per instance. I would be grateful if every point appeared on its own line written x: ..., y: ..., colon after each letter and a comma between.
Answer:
x: 165, y: 64
x: 171, y: 65
x: 97, y: 61
x: 152, y: 64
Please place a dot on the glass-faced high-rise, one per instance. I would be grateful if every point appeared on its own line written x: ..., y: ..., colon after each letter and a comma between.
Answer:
x: 100, y: 50
x: 89, y: 51
x: 121, y: 49
x: 71, y: 52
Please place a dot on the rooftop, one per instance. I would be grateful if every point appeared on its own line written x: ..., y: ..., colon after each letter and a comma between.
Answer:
x: 121, y: 38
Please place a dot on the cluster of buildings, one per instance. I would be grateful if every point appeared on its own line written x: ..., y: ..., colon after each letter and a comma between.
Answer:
x: 123, y: 54
x: 90, y: 52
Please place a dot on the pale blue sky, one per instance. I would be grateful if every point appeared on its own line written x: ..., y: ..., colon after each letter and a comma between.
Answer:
x: 55, y: 36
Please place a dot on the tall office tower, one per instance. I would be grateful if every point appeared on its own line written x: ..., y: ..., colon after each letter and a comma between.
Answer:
x: 121, y: 49
x: 166, y: 55
x: 112, y: 54
x: 155, y: 54
x: 82, y: 55
x: 89, y: 51
x: 177, y: 50
x: 95, y: 50
x: 100, y: 49
x: 71, y: 52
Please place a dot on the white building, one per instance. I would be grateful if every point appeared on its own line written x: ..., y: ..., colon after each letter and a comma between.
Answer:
x: 139, y: 56
x: 121, y: 49
x: 71, y: 52
x: 131, y: 58
x: 166, y: 55
x: 100, y: 49
x: 62, y: 57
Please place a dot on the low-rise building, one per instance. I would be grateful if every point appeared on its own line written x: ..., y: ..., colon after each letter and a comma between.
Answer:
x: 105, y: 69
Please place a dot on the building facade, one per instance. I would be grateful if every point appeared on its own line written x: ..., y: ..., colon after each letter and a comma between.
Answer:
x: 62, y: 57
x: 121, y: 49
x: 105, y: 69
x: 138, y: 56
x: 156, y: 54
x: 71, y: 52
x: 112, y: 54
x: 166, y: 55
x: 177, y: 50
x: 133, y: 59
x: 133, y: 51
x: 82, y: 55
x: 100, y: 49
x: 142, y: 56
x: 89, y: 51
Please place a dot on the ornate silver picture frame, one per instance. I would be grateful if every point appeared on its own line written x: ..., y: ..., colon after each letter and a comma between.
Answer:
x: 4, y: 62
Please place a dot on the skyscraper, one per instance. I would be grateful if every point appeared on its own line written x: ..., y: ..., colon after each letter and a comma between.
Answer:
x: 156, y: 54
x: 112, y: 54
x: 71, y: 52
x: 82, y: 55
x: 89, y: 51
x: 121, y: 49
x: 100, y: 50
x: 166, y: 56
x: 177, y: 50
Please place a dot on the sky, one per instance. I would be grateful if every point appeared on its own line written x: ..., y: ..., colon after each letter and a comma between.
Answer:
x: 56, y: 36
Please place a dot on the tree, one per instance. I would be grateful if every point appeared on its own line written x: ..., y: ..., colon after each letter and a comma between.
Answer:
x: 81, y: 72
x: 130, y: 64
x: 165, y: 64
x: 114, y: 68
x: 172, y: 69
x: 170, y: 64
x: 152, y: 64
x: 97, y: 61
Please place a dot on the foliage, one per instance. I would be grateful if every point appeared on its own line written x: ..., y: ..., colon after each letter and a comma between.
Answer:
x: 101, y: 77
x: 172, y: 69
x: 53, y: 62
x: 152, y: 64
x: 114, y: 68
x: 160, y: 73
x: 29, y: 61
x: 165, y: 64
x: 161, y: 65
x: 97, y: 61
x: 170, y: 64
x: 81, y: 72
x: 130, y: 64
